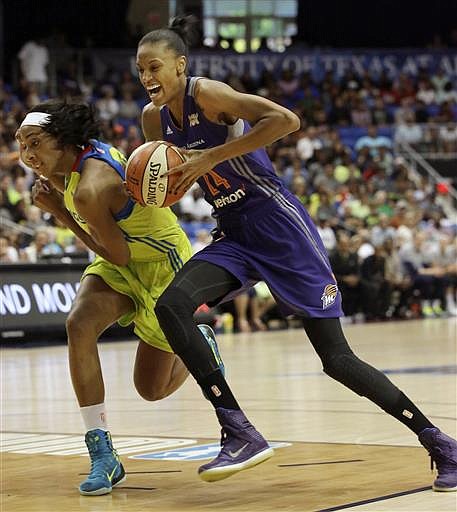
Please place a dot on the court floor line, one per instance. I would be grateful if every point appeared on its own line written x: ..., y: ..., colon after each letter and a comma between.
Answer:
x: 374, y: 500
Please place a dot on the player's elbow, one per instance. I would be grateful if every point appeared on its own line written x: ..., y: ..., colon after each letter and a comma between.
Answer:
x: 120, y: 258
x: 288, y: 121
x: 293, y: 121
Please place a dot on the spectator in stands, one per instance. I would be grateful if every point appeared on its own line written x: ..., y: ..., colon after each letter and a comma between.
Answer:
x: 380, y: 116
x: 107, y: 105
x: 439, y: 80
x: 399, y: 280
x: 12, y: 204
x: 346, y: 268
x: 326, y: 232
x: 373, y: 141
x: 448, y: 138
x: 128, y: 85
x: 307, y: 143
x: 133, y: 139
x: 447, y: 94
x: 299, y: 188
x: 203, y: 238
x: 296, y: 169
x: 429, y: 280
x: 34, y: 59
x: 128, y: 108
x: 8, y: 253
x: 78, y: 250
x: 426, y: 92
x: 42, y: 247
x: 402, y: 88
x: 326, y: 180
x: 382, y: 231
x: 449, y: 260
x: 339, y: 113
x: 409, y: 132
x: 288, y: 84
x: 250, y: 307
x: 373, y: 276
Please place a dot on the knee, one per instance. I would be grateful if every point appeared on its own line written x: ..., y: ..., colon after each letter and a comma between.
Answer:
x: 151, y: 395
x: 150, y: 392
x: 79, y: 327
x: 74, y: 324
x: 173, y: 302
x: 338, y: 365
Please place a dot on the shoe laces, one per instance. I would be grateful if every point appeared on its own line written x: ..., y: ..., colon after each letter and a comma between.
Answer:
x: 224, y: 437
x: 439, y: 460
x: 99, y: 447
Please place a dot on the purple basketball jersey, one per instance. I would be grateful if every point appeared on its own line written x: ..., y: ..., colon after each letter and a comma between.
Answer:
x: 268, y: 234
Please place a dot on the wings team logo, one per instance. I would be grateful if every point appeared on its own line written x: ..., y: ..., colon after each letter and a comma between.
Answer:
x: 193, y: 119
x: 329, y: 295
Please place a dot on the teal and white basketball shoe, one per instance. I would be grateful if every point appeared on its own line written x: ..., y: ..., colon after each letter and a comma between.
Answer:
x: 106, y: 470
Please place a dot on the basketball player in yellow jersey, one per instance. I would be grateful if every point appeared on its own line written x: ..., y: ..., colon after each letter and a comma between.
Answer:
x: 138, y: 249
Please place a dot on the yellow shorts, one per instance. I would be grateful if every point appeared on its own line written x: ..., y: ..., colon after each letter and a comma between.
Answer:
x: 143, y: 282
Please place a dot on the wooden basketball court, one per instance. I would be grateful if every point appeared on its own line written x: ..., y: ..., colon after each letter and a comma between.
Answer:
x: 334, y: 450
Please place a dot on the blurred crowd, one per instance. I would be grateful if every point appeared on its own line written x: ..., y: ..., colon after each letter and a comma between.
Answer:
x: 390, y: 237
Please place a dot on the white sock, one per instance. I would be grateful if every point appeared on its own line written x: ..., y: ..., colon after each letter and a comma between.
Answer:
x: 94, y: 416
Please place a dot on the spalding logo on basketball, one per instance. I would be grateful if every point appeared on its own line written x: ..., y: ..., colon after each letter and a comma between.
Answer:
x: 143, y: 174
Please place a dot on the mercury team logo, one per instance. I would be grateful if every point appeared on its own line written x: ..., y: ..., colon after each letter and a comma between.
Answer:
x: 329, y: 295
x: 193, y: 119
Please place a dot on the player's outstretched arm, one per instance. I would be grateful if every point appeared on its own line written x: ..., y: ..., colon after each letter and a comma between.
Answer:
x: 222, y: 104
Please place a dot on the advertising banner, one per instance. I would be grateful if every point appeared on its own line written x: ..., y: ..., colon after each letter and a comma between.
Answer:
x: 35, y: 299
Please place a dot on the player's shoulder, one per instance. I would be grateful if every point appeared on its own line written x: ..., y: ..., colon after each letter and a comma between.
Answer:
x: 207, y: 86
x: 151, y: 123
x: 150, y: 111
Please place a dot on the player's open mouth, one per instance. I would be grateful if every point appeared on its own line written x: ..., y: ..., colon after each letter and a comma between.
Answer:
x: 154, y: 90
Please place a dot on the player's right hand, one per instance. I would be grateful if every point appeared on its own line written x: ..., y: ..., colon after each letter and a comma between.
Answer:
x: 45, y: 196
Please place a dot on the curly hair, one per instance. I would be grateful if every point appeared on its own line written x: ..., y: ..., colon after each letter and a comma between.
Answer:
x: 181, y: 33
x: 72, y: 124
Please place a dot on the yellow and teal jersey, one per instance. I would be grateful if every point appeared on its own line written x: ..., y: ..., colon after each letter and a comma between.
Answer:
x: 151, y: 233
x: 158, y: 249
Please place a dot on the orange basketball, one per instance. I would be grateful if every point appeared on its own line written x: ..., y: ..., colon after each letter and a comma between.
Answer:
x: 143, y: 174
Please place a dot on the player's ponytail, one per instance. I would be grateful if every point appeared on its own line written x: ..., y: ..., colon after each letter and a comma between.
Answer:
x: 179, y: 35
x: 186, y: 27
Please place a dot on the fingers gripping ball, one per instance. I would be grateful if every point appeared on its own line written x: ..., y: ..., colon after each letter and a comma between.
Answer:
x: 143, y: 171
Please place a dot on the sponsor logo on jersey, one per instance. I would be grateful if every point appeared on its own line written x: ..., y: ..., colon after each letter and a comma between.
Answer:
x: 222, y: 201
x: 193, y: 119
x: 169, y: 130
x: 195, y: 143
x: 329, y: 295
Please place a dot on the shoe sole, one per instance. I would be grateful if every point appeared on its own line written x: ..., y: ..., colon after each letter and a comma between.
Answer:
x: 102, y: 490
x: 220, y: 473
x: 444, y: 489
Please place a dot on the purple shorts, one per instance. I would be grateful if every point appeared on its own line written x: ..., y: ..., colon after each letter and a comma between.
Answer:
x: 278, y: 243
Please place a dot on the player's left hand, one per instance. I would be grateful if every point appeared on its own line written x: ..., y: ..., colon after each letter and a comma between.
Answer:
x: 198, y: 162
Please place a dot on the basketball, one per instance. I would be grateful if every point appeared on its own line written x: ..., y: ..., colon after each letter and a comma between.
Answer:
x: 143, y: 174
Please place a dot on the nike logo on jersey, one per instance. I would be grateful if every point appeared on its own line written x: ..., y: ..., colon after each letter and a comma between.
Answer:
x: 238, y: 452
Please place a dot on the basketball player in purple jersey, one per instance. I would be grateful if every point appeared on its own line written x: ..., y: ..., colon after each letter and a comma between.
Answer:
x: 264, y: 234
